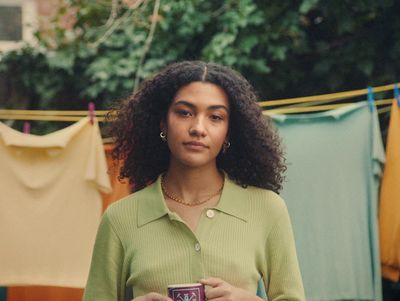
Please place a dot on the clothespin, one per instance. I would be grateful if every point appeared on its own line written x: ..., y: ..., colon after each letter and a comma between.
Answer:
x: 370, y: 99
x: 396, y: 94
x: 27, y: 127
x: 92, y: 114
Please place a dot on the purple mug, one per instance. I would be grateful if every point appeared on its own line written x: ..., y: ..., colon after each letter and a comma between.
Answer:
x: 186, y: 292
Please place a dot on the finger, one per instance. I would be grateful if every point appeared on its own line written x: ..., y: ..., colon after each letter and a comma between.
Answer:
x: 218, y: 299
x: 157, y: 297
x: 212, y: 281
x: 217, y: 292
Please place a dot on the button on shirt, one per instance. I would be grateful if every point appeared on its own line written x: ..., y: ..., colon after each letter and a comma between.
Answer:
x: 210, y: 213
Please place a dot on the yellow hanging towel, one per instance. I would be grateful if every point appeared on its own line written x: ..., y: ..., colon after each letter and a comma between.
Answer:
x: 50, y: 205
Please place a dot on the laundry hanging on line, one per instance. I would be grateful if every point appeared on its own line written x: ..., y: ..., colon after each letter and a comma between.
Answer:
x: 50, y: 205
x: 50, y: 293
x: 389, y: 205
x: 334, y: 164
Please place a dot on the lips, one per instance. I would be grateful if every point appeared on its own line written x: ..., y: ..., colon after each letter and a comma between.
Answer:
x: 195, y: 144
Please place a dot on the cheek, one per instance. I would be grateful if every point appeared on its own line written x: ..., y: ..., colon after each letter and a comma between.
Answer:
x: 221, y: 135
x: 175, y: 129
x: 171, y: 124
x: 174, y: 134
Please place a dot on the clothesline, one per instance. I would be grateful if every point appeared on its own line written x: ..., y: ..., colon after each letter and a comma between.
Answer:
x: 293, y: 105
x: 330, y: 96
x: 288, y: 110
x: 59, y: 115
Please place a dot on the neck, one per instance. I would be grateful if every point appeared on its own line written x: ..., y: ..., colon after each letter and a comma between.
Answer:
x: 193, y: 184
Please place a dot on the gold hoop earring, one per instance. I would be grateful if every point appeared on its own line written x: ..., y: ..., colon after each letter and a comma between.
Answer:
x: 225, y: 147
x: 163, y: 136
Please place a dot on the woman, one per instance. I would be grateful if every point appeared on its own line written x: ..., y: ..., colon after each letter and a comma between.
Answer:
x: 207, y: 166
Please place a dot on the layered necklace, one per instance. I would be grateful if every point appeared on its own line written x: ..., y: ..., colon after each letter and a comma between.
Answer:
x: 183, y: 202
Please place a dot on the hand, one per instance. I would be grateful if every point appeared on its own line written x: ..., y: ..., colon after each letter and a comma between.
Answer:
x: 220, y: 290
x: 152, y: 297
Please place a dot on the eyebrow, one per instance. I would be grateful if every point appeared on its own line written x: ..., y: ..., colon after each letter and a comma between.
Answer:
x: 192, y: 106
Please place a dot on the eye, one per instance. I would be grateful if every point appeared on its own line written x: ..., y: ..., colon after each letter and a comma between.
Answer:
x: 183, y: 113
x: 216, y: 117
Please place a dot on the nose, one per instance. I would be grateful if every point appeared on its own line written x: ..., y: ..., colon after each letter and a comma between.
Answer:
x: 198, y: 128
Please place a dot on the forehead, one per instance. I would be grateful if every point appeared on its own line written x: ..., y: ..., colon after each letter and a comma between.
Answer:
x: 202, y: 93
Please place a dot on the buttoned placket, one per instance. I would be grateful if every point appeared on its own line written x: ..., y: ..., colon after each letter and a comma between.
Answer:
x: 197, y: 239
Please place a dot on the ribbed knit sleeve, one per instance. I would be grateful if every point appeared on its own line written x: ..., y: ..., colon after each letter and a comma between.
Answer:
x: 104, y: 282
x: 283, y: 279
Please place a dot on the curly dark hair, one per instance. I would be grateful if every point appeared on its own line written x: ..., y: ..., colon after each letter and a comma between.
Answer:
x: 254, y: 158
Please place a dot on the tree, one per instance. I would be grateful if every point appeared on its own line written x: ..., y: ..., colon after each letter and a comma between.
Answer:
x: 285, y: 48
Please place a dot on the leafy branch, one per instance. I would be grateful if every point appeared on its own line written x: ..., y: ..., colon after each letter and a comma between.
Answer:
x: 154, y: 19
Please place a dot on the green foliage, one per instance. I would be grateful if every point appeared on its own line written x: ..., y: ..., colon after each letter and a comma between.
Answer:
x: 285, y: 48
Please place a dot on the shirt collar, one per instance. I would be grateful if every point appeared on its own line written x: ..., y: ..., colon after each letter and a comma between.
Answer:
x: 151, y: 204
x: 233, y: 200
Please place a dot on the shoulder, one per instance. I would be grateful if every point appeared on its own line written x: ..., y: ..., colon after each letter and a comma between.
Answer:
x: 125, y: 209
x: 252, y: 199
x: 264, y: 202
x: 261, y: 208
x: 264, y: 197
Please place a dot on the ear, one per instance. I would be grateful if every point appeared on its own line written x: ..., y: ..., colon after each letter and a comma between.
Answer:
x: 163, y: 126
x: 226, y: 140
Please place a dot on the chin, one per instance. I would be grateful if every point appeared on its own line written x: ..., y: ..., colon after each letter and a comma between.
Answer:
x: 196, y: 162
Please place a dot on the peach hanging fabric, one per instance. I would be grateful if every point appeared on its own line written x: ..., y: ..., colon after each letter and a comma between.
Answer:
x: 45, y: 293
x: 389, y: 210
x: 119, y: 190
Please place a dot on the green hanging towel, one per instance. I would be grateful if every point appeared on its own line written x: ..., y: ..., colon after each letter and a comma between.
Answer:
x: 334, y: 161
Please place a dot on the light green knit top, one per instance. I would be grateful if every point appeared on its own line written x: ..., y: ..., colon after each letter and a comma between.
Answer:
x: 143, y: 247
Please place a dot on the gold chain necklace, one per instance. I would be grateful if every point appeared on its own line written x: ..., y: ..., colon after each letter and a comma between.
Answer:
x: 178, y: 200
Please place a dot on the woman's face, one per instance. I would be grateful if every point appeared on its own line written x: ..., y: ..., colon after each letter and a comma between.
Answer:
x: 197, y: 124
